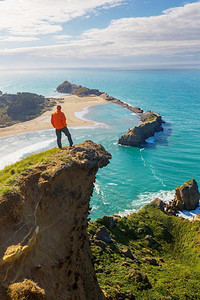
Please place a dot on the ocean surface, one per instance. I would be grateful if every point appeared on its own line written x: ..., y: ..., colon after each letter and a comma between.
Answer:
x: 135, y: 176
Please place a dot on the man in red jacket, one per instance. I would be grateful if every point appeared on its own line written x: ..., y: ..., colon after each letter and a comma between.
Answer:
x: 58, y: 120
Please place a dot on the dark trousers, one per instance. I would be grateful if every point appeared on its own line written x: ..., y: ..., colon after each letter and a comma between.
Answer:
x: 59, y: 134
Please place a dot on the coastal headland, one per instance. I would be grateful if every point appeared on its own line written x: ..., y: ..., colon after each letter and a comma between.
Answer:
x: 49, y: 251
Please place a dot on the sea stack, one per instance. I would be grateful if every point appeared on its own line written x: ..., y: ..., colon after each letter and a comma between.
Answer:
x: 187, y: 197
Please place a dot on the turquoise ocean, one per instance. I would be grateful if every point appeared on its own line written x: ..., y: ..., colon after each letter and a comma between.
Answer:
x: 135, y: 176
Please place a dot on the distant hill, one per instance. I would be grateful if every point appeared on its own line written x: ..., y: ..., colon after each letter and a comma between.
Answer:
x: 20, y: 107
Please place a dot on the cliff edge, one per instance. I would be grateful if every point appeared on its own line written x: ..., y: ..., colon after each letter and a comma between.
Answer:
x: 45, y: 250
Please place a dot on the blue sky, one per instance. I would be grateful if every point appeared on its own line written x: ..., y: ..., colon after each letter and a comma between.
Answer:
x: 99, y: 33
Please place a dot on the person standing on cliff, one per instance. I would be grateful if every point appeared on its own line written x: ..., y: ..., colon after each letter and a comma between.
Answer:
x: 58, y: 120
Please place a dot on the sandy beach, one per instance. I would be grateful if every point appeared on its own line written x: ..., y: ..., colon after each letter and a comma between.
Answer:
x: 70, y: 104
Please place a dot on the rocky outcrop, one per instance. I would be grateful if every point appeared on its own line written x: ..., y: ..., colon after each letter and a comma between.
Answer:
x: 152, y: 123
x: 43, y: 235
x: 187, y: 197
x: 69, y: 88
x: 158, y: 203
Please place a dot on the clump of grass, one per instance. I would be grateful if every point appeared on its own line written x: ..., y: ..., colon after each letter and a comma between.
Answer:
x: 150, y: 119
x: 25, y: 290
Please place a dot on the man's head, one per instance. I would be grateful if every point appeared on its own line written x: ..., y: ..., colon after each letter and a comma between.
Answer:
x: 58, y: 107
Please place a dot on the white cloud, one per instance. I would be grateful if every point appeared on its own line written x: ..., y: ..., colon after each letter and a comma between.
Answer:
x: 175, y: 33
x: 36, y: 17
x: 62, y: 37
x: 18, y: 39
x: 176, y: 24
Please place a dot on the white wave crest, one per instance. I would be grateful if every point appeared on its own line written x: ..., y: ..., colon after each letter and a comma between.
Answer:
x: 126, y: 212
x: 190, y: 215
x: 147, y: 197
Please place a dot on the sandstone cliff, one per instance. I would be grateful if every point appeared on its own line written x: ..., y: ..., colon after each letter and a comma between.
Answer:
x: 151, y: 123
x: 45, y: 250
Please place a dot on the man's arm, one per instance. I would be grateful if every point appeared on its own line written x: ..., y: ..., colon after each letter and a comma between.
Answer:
x: 64, y: 120
x: 52, y: 121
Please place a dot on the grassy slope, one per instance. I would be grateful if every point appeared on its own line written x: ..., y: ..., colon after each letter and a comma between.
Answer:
x: 9, y: 175
x: 178, y: 254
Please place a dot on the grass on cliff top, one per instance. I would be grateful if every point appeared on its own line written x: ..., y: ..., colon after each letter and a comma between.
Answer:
x: 177, y: 273
x: 25, y: 290
x: 8, y: 176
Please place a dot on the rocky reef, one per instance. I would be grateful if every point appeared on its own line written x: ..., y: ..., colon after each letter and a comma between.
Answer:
x: 151, y: 123
x: 45, y: 252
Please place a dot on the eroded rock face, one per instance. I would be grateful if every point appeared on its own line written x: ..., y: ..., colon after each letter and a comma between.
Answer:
x: 136, y: 136
x: 43, y: 226
x: 187, y: 197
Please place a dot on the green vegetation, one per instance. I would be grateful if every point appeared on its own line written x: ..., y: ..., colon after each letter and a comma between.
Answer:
x: 9, y: 175
x: 20, y: 107
x: 165, y: 262
x: 150, y: 119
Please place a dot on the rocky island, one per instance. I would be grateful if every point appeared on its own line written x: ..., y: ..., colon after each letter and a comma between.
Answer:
x: 48, y: 250
x: 151, y: 121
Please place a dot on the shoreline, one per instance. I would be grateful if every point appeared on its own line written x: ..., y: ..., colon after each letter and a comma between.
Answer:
x: 71, y: 105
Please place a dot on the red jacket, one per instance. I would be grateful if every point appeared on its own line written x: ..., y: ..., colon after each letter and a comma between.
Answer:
x: 58, y: 119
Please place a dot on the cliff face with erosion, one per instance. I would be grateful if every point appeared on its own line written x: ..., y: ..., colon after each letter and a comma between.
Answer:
x: 44, y: 249
x: 151, y: 123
